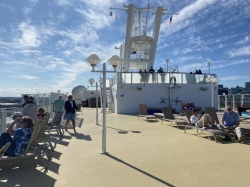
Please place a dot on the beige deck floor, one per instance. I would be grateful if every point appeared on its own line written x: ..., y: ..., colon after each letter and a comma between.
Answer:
x: 147, y: 154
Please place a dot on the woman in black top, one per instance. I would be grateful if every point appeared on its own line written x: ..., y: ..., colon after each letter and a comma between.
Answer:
x: 70, y: 112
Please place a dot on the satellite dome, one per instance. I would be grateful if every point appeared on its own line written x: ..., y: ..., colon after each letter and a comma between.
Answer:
x: 77, y: 91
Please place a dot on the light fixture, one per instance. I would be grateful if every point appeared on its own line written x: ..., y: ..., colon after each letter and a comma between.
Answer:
x: 91, y: 81
x: 101, y: 81
x: 93, y: 60
x: 115, y: 61
x: 58, y: 91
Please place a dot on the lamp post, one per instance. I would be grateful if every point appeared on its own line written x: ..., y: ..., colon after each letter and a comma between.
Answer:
x: 114, y: 61
x: 208, y: 63
x: 91, y: 81
x: 167, y: 64
x: 212, y: 81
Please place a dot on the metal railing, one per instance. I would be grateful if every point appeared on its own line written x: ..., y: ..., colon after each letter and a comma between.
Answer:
x: 41, y: 100
x: 181, y: 78
x: 233, y: 100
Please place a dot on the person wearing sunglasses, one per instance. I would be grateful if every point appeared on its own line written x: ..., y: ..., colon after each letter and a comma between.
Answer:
x: 19, y: 138
x: 70, y: 112
x: 231, y: 122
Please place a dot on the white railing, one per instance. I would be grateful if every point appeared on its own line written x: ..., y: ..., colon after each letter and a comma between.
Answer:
x: 233, y: 100
x: 181, y: 78
x: 41, y: 100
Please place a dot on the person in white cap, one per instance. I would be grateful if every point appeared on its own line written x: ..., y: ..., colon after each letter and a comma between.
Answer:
x: 18, y: 121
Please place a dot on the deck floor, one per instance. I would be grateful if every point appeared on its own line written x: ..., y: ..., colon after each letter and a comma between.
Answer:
x: 141, y: 153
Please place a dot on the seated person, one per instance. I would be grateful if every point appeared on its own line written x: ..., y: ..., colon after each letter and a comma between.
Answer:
x: 41, y: 113
x: 160, y: 70
x: 231, y: 121
x: 20, y: 138
x: 18, y: 115
x: 200, y: 121
x: 243, y: 111
x: 151, y: 70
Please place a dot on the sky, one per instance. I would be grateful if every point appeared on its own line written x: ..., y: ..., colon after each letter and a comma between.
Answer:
x: 44, y: 43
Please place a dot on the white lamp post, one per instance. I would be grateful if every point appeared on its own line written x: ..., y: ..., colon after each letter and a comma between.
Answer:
x: 208, y: 63
x: 91, y: 81
x: 94, y: 60
x: 167, y: 64
x: 212, y: 81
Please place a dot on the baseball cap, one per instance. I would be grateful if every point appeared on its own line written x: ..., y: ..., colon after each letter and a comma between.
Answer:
x: 17, y: 114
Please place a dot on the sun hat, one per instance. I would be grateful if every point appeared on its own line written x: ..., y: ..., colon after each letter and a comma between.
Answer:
x: 17, y: 114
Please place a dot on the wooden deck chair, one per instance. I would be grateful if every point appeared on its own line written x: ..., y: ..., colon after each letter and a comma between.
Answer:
x: 3, y: 149
x: 168, y: 116
x: 55, y: 126
x: 30, y: 150
x: 213, y: 132
x: 144, y: 112
x: 42, y: 137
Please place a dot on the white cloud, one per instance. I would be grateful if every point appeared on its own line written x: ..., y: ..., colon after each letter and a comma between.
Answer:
x: 7, y: 6
x: 28, y: 9
x: 246, y: 39
x: 243, y: 51
x: 29, y: 77
x: 29, y: 37
x: 231, y: 78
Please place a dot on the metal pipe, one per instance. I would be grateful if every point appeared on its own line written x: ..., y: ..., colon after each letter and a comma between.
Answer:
x: 96, y: 103
x: 104, y: 111
x: 212, y: 90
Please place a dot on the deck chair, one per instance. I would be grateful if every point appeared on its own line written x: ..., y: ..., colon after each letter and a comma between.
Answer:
x: 3, y: 149
x: 41, y: 136
x: 30, y: 151
x: 55, y: 126
x: 212, y: 112
x: 144, y: 112
x: 214, y: 132
x: 168, y: 116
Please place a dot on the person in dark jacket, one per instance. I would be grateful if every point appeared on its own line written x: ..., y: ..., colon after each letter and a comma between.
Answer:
x: 70, y: 112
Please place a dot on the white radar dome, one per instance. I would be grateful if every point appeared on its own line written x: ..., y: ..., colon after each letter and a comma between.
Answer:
x: 77, y: 92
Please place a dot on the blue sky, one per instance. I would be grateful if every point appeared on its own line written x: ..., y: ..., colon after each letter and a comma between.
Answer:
x: 44, y: 43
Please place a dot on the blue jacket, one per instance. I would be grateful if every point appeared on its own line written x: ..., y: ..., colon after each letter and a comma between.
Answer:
x: 68, y: 107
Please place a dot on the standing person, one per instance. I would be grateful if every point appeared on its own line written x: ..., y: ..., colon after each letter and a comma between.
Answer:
x: 31, y: 110
x: 33, y: 100
x: 230, y: 121
x: 20, y: 138
x: 58, y: 107
x: 70, y: 114
x: 26, y: 99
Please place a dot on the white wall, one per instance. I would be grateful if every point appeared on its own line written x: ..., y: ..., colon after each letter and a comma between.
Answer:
x: 151, y: 94
x: 90, y: 94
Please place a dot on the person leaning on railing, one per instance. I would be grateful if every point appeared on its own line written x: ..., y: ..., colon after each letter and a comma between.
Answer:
x: 243, y: 111
x: 20, y: 139
x: 58, y: 106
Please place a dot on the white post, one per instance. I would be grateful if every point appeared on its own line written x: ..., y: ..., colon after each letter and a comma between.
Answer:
x: 212, y: 91
x: 96, y: 103
x: 104, y: 111
x: 233, y: 103
x: 3, y: 121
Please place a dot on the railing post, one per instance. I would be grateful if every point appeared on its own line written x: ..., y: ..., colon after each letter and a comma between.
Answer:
x: 233, y: 103
x: 3, y: 121
x: 226, y: 101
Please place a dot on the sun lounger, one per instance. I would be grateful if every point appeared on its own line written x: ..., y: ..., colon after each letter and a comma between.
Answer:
x: 55, y: 126
x: 30, y: 151
x: 144, y: 112
x: 168, y: 116
x: 4, y: 149
x: 214, y: 132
